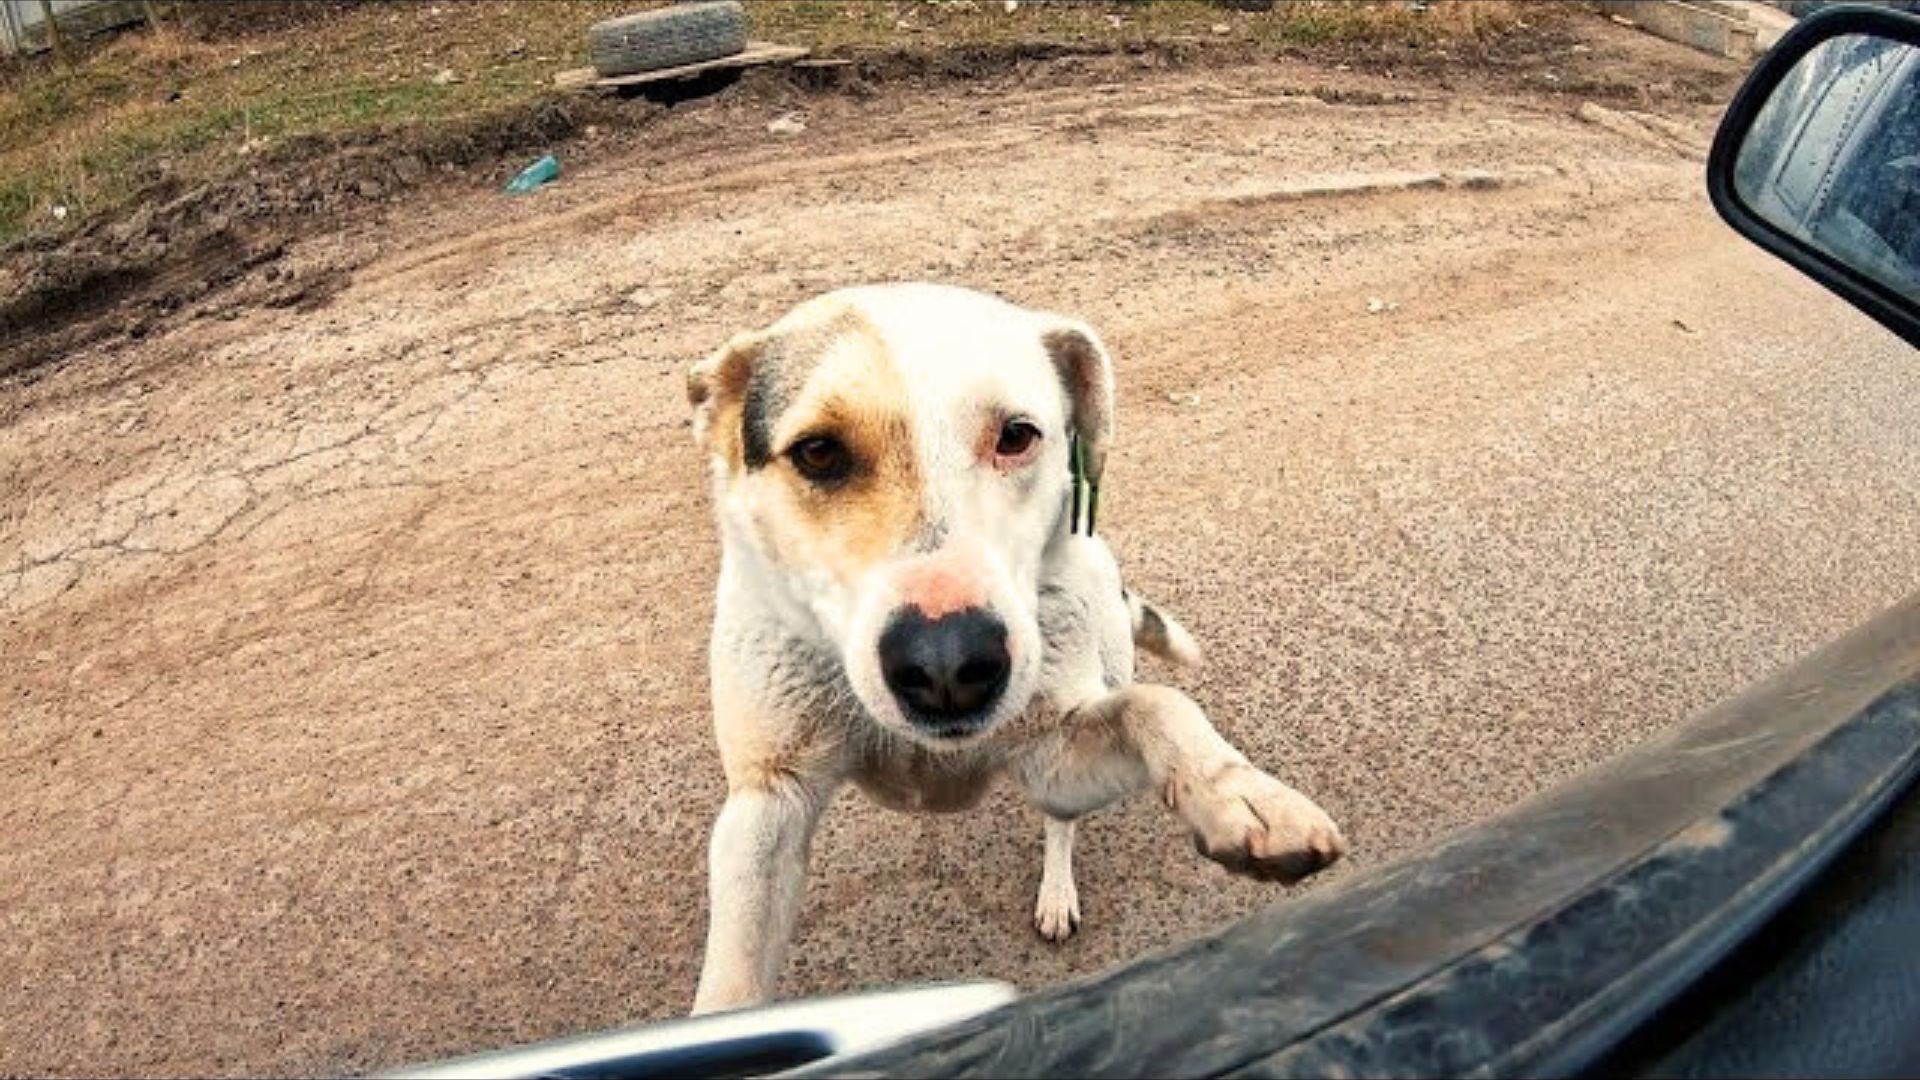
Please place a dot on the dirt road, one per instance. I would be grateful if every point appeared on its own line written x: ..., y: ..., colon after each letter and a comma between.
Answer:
x: 353, y: 665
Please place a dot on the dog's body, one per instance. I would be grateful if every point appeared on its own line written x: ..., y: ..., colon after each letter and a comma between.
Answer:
x: 907, y: 602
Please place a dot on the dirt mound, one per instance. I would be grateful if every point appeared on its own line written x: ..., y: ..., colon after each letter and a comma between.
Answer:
x: 182, y: 247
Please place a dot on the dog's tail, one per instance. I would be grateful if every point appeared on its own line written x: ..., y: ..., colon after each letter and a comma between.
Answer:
x: 1156, y: 632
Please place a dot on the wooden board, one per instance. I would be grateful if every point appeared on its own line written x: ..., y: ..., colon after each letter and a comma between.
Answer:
x: 756, y: 53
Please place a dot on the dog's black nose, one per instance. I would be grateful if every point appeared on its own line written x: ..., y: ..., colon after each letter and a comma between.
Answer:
x: 948, y: 668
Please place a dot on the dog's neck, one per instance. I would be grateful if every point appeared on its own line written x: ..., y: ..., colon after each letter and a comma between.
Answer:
x: 759, y: 582
x: 1062, y: 532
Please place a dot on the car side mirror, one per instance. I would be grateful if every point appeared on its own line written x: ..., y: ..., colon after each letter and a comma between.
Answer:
x: 1818, y: 159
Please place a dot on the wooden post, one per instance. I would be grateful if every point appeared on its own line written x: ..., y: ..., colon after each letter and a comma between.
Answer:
x: 53, y: 30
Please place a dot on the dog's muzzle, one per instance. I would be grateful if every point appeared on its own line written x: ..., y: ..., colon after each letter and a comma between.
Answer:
x: 947, y: 673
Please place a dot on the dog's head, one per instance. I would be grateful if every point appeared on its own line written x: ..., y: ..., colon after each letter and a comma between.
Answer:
x: 892, y: 462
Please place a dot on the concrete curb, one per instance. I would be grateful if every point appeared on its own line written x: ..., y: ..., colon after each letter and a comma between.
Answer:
x: 1696, y: 25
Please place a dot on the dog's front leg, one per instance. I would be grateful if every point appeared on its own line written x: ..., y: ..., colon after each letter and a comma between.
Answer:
x: 1241, y: 817
x: 1056, y: 914
x: 756, y: 877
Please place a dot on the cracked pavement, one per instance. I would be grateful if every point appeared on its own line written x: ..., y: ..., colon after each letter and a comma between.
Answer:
x: 354, y: 666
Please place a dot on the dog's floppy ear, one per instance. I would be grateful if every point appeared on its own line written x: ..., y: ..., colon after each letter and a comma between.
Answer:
x: 1087, y: 374
x: 717, y: 386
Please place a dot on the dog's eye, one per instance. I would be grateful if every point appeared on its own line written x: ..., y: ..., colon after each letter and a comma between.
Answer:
x: 822, y: 459
x: 1016, y: 438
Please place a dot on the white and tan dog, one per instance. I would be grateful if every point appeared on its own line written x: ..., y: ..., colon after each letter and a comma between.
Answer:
x: 906, y: 602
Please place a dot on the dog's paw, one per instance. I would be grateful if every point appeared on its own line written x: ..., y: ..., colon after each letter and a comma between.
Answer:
x: 1057, y: 915
x: 1252, y: 824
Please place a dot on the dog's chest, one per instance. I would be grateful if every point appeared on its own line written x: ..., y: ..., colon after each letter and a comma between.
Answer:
x: 918, y: 786
x: 903, y: 775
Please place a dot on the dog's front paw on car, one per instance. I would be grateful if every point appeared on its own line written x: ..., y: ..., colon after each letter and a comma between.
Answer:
x: 1253, y: 824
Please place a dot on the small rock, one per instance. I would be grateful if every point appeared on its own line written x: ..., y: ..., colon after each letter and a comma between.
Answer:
x: 1011, y: 6
x: 1377, y: 306
x: 1177, y: 398
x: 1222, y: 28
x: 646, y: 298
x: 445, y: 76
x: 787, y: 124
x: 370, y: 188
x: 60, y: 213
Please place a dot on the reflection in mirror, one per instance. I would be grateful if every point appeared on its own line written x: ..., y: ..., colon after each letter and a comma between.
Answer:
x: 1833, y: 158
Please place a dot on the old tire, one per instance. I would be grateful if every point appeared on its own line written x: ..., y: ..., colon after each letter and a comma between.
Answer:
x: 668, y: 37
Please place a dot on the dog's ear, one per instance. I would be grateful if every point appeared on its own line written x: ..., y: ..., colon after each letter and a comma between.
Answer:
x: 717, y: 386
x: 1087, y: 374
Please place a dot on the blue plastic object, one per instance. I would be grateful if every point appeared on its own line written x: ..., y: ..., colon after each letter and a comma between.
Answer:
x: 544, y: 171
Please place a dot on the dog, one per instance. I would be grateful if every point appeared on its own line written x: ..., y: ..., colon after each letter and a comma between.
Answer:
x: 912, y: 598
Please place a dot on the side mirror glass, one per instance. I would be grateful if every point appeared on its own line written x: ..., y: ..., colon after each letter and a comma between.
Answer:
x: 1818, y: 159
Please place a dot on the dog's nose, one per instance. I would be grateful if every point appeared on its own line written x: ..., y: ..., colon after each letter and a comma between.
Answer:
x: 946, y: 668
